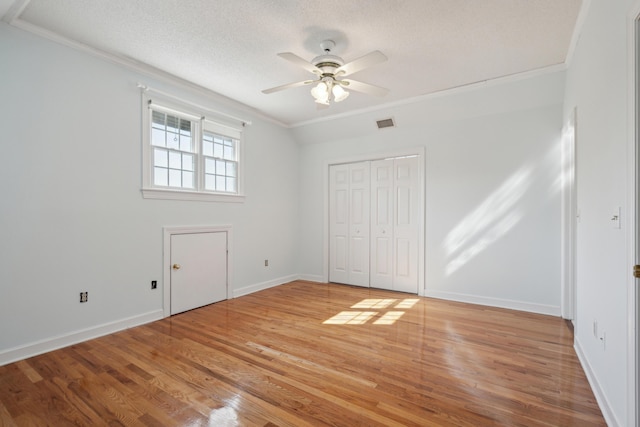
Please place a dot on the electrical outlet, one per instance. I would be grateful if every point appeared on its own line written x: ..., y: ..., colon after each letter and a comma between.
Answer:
x: 84, y: 296
x: 266, y: 263
x: 154, y: 284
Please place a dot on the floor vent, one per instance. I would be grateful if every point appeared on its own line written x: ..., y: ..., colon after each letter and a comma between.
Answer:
x: 386, y: 123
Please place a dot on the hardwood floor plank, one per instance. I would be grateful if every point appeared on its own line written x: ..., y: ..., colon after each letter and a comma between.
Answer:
x: 309, y: 354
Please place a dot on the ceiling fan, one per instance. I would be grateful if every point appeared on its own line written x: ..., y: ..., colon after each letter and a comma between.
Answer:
x: 330, y: 70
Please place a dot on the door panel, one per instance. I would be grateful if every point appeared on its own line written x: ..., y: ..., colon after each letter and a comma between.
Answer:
x: 407, y: 226
x: 339, y: 223
x: 199, y: 270
x: 360, y: 187
x: 394, y: 224
x: 382, y: 224
x: 349, y: 198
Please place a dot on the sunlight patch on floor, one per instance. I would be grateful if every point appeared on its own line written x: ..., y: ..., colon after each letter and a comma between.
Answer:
x: 374, y: 303
x: 407, y: 303
x: 389, y: 318
x: 350, y: 318
x: 384, y: 317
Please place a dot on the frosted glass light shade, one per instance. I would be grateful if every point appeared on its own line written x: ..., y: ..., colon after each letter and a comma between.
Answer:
x: 321, y: 93
x: 339, y: 94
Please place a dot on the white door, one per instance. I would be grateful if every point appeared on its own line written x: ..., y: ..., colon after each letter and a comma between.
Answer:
x: 349, y: 224
x: 339, y: 223
x: 359, y: 184
x: 395, y: 216
x: 382, y: 224
x: 406, y: 224
x: 198, y: 270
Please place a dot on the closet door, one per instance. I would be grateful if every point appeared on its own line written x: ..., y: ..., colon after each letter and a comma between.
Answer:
x: 339, y: 223
x: 382, y: 224
x: 359, y: 185
x: 349, y: 187
x: 395, y: 215
x: 406, y: 227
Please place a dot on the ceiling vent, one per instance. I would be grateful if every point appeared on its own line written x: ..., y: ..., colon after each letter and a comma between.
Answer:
x: 385, y: 123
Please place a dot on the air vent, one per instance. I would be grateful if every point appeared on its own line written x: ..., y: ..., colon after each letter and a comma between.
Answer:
x: 386, y: 123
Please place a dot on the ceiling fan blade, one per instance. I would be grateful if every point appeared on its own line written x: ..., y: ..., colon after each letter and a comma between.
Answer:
x: 292, y: 57
x: 364, y: 87
x: 361, y: 63
x: 287, y: 86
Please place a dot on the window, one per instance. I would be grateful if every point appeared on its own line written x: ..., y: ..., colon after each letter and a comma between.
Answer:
x: 188, y: 156
x: 173, y: 151
x: 220, y: 164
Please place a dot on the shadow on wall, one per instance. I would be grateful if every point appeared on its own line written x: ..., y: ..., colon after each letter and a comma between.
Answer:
x: 499, y: 212
x: 491, y: 220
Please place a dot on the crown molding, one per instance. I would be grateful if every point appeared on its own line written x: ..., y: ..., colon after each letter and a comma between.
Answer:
x: 442, y: 93
x: 139, y: 67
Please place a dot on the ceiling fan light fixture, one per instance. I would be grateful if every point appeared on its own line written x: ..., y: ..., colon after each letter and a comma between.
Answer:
x: 339, y: 94
x: 321, y: 93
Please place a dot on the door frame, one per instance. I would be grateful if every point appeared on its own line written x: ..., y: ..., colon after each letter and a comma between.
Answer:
x: 400, y: 152
x: 569, y: 218
x: 633, y: 185
x: 166, y: 257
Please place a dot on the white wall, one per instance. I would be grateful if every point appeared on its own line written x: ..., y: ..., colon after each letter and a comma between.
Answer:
x: 72, y: 217
x: 492, y: 227
x: 597, y: 86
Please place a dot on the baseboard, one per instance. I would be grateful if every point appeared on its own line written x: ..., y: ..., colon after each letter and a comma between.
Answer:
x: 264, y: 285
x: 49, y: 344
x: 495, y: 302
x: 312, y: 278
x: 607, y: 413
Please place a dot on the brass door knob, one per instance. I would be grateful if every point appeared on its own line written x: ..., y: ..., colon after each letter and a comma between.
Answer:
x: 176, y: 266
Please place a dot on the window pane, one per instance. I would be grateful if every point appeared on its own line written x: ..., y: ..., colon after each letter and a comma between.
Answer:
x: 207, y: 148
x: 231, y: 185
x: 185, y: 143
x: 220, y: 169
x: 187, y: 162
x: 173, y: 141
x: 232, y: 167
x: 175, y: 178
x: 158, y: 119
x: 210, y: 182
x: 174, y: 160
x: 160, y: 157
x: 187, y: 179
x: 161, y: 176
x: 209, y: 165
x: 220, y: 183
x: 229, y: 152
x: 172, y: 123
x: 217, y: 150
x: 157, y: 137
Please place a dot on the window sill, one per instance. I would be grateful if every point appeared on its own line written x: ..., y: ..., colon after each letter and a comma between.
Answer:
x: 155, y: 193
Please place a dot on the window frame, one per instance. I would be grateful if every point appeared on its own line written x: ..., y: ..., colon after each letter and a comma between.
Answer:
x: 202, y: 121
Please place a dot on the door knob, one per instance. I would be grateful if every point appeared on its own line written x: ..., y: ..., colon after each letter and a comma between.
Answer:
x: 176, y: 266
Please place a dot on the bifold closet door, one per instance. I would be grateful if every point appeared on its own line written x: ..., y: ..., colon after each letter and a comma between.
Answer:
x: 395, y: 216
x: 349, y: 212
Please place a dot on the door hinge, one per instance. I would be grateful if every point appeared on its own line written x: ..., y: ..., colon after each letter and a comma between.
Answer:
x: 636, y: 271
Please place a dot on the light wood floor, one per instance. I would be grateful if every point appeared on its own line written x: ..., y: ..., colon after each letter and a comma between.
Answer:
x: 307, y: 354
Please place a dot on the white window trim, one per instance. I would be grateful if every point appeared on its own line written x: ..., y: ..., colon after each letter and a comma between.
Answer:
x: 149, y: 191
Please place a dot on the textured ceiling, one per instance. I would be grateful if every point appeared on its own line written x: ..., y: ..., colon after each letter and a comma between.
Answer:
x: 230, y: 46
